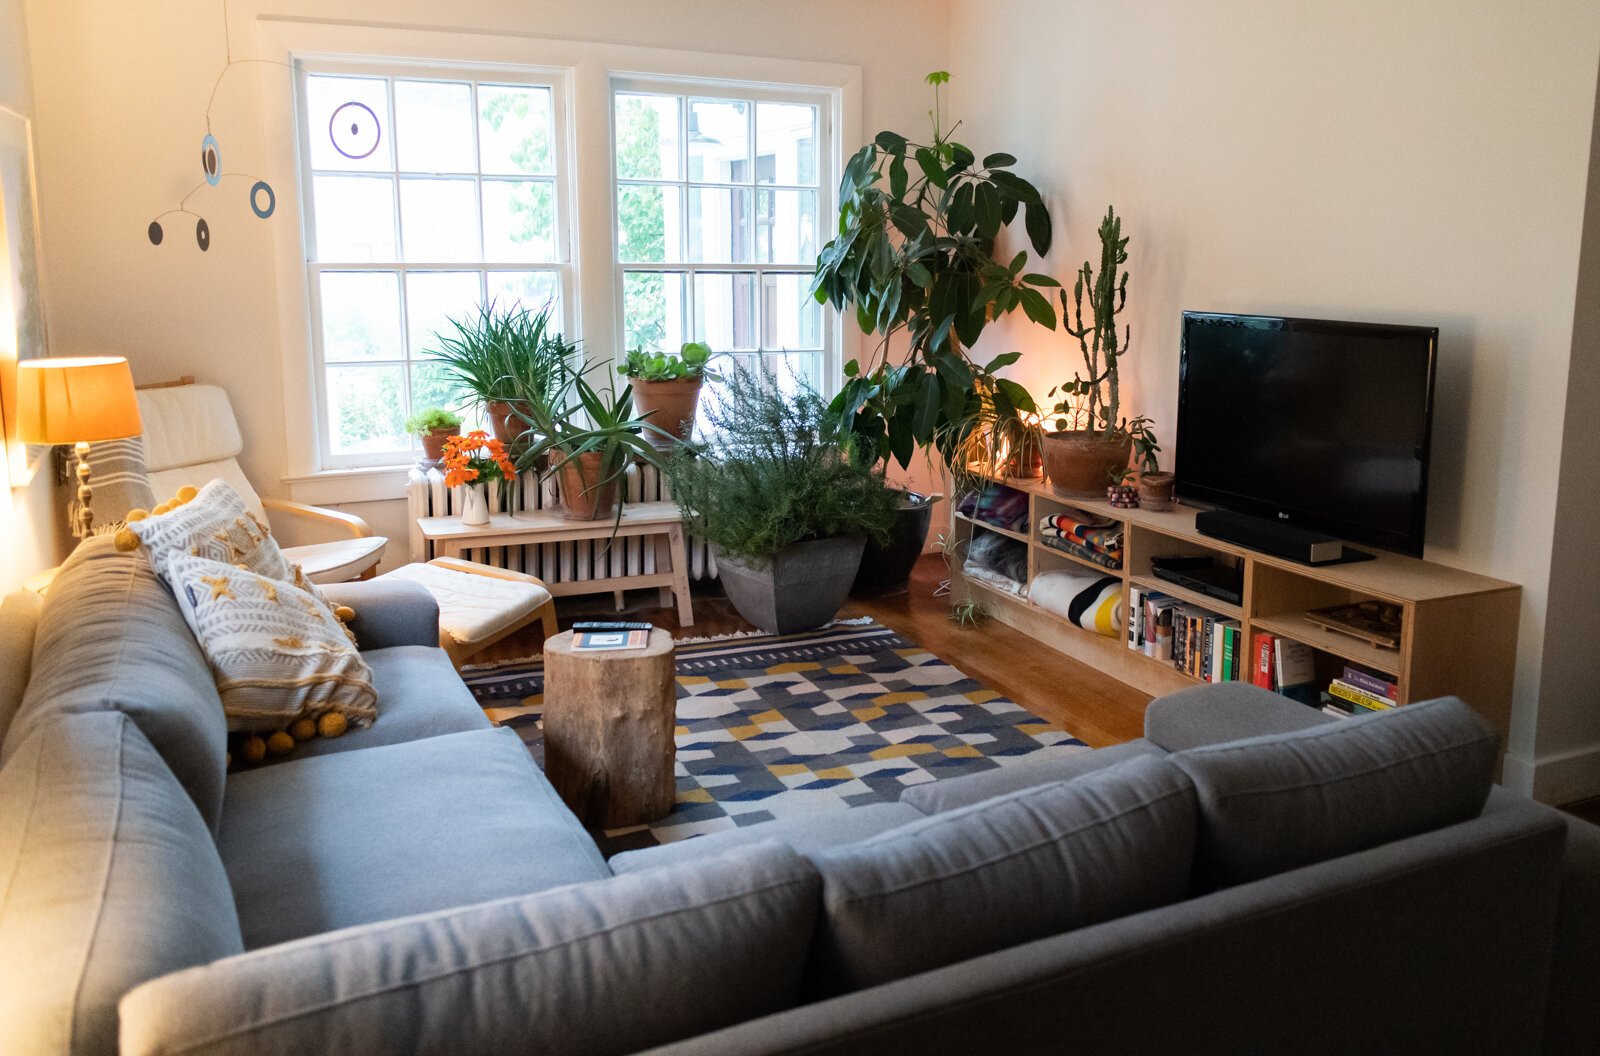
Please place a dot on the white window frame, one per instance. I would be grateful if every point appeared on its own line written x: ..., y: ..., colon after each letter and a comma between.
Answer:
x: 830, y: 369
x: 562, y: 175
x: 588, y: 67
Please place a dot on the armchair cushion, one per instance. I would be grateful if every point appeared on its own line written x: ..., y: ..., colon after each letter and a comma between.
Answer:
x: 389, y: 611
x: 337, y: 560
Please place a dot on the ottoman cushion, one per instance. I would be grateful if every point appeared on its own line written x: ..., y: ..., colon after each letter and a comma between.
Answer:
x: 475, y: 607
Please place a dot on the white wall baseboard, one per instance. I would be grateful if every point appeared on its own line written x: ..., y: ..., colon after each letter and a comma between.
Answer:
x: 1566, y: 778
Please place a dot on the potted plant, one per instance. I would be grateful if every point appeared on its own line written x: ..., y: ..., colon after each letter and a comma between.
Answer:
x: 433, y: 426
x: 586, y: 438
x: 1155, y: 487
x: 474, y: 460
x: 785, y: 508
x: 499, y: 355
x: 915, y: 257
x: 666, y: 389
x: 1091, y: 444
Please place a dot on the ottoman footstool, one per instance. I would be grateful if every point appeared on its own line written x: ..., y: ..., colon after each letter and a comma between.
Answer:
x: 480, y: 604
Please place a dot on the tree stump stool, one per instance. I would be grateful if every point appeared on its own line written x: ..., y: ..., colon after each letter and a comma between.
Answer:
x: 608, y: 722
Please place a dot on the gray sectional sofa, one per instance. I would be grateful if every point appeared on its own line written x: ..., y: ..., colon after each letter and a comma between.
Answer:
x: 1250, y: 877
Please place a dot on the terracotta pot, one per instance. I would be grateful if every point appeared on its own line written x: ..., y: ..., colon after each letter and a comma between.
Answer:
x: 433, y: 442
x: 1025, y: 463
x: 668, y: 405
x: 580, y: 497
x: 1080, y: 465
x: 1155, y: 491
x: 504, y: 421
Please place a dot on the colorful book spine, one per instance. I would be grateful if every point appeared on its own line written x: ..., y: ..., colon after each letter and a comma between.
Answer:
x: 1136, y: 617
x: 1378, y: 687
x: 1262, y: 672
x: 1360, y: 697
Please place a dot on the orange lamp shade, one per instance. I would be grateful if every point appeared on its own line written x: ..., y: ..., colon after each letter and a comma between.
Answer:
x: 76, y: 399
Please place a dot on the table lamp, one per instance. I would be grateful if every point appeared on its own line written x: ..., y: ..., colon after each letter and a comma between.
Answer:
x: 77, y: 401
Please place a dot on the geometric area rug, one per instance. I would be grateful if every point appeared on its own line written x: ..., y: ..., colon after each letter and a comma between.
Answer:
x: 772, y: 726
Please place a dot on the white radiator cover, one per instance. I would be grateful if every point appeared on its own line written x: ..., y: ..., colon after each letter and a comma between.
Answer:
x: 427, y: 496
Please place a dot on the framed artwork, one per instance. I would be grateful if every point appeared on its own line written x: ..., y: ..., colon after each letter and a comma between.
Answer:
x: 22, y: 314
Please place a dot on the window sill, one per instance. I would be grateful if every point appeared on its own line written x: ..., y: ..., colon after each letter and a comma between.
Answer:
x: 334, y: 487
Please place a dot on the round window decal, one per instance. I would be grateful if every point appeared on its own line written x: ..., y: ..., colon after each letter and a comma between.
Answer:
x: 354, y: 130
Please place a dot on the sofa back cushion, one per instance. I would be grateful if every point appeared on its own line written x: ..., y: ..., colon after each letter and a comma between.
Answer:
x: 111, y: 638
x: 19, y: 620
x: 1268, y: 804
x: 610, y: 966
x: 1005, y: 871
x: 108, y: 877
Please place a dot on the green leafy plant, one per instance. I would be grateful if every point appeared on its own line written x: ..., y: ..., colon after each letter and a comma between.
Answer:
x: 505, y: 354
x: 776, y: 471
x: 969, y: 612
x: 690, y: 362
x: 432, y: 418
x: 915, y: 256
x: 1091, y: 401
x: 1146, y: 449
x: 585, y: 419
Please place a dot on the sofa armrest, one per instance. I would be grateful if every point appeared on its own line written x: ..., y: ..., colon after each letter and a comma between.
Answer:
x: 1572, y: 1018
x: 1225, y: 711
x: 389, y: 612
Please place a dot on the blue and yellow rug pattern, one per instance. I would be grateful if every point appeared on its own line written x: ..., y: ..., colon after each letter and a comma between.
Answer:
x: 774, y: 726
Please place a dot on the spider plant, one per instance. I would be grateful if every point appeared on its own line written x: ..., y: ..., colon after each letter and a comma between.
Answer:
x: 504, y: 357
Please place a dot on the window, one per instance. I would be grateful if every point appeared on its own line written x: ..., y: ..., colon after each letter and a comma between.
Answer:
x: 426, y: 194
x: 719, y: 200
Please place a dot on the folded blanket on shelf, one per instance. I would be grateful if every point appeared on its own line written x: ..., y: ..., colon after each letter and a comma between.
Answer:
x: 1096, y: 540
x: 1090, y: 601
x: 998, y: 505
x: 994, y: 579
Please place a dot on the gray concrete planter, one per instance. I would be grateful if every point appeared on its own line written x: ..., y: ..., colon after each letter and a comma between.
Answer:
x: 796, y: 589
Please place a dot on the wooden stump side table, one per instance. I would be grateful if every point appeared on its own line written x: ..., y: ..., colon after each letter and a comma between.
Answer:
x: 608, y: 722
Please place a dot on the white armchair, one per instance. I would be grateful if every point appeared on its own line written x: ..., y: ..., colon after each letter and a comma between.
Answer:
x: 191, y: 436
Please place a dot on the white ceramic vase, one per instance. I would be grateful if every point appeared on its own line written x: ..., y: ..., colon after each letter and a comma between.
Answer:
x: 475, y: 504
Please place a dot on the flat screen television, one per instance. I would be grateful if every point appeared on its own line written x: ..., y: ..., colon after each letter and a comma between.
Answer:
x: 1318, y: 424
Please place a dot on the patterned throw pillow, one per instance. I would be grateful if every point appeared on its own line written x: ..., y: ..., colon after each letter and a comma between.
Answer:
x: 276, y: 651
x: 212, y: 523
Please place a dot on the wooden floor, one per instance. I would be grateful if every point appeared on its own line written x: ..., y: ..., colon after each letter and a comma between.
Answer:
x: 1089, y: 705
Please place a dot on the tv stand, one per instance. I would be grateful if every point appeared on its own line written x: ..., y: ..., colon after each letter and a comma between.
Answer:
x: 1458, y: 628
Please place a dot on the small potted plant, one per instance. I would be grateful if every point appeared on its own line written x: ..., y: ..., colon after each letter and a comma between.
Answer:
x: 1155, y: 487
x: 1091, y: 444
x: 666, y: 389
x: 498, y: 355
x: 785, y: 508
x: 474, y: 460
x: 587, y: 439
x: 433, y: 426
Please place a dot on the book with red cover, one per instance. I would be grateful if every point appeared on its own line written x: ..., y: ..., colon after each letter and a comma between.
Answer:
x: 1261, y: 670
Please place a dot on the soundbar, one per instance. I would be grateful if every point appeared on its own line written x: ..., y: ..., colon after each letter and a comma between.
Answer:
x: 1280, y: 540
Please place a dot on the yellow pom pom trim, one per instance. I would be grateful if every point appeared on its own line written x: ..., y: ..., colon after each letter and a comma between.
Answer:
x: 254, y: 749
x: 125, y: 540
x: 280, y: 743
x: 303, y: 729
x: 163, y: 508
x: 332, y: 724
x: 187, y: 493
x: 344, y: 613
x: 136, y: 515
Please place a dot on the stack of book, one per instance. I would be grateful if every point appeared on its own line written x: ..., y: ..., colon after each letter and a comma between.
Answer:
x: 1285, y: 666
x: 1200, y: 643
x: 1358, y: 692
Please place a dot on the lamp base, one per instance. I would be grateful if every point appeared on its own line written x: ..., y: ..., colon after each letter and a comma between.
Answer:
x: 85, y: 526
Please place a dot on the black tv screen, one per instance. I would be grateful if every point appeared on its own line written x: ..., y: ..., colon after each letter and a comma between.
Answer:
x: 1319, y: 424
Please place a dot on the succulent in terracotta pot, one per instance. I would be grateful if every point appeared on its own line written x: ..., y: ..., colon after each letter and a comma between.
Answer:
x: 666, y: 389
x: 433, y: 426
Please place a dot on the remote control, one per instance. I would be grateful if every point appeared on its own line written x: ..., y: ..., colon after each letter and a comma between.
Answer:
x: 593, y: 625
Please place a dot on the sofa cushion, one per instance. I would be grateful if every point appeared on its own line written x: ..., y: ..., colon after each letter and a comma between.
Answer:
x: 108, y: 877
x: 1040, y: 768
x: 1268, y: 804
x: 419, y: 695
x: 590, y: 970
x: 807, y: 833
x: 1222, y: 712
x: 19, y: 620
x: 339, y: 840
x: 277, y: 652
x: 1006, y: 871
x: 111, y: 638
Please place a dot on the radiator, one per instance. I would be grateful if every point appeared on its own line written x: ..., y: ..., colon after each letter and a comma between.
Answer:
x: 427, y: 496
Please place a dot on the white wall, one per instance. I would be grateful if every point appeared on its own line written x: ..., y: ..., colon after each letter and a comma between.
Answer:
x: 122, y: 90
x: 1423, y: 162
x: 31, y: 527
